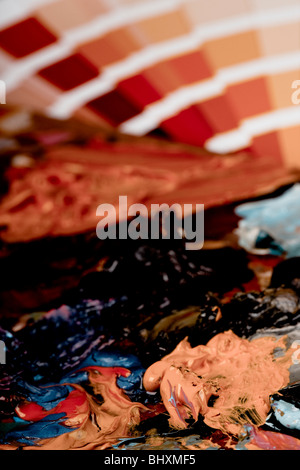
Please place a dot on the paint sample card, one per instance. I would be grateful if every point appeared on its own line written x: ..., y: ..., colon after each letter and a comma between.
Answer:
x: 194, y: 72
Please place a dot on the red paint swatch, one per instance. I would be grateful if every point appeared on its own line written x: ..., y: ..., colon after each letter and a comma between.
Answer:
x: 249, y: 98
x: 70, y: 72
x: 139, y: 90
x: 114, y: 107
x: 162, y: 77
x: 267, y: 144
x: 189, y: 126
x: 191, y: 67
x: 218, y: 113
x: 25, y: 37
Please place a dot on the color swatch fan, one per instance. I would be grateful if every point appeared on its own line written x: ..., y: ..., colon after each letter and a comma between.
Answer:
x: 214, y: 74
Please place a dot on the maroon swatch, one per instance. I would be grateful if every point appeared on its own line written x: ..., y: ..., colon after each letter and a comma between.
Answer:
x: 25, y: 37
x: 70, y: 72
x: 139, y: 90
x: 114, y: 107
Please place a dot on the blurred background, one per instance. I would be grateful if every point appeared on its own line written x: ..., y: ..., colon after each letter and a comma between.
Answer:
x: 213, y: 74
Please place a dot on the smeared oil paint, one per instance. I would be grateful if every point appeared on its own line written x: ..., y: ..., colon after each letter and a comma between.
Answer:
x: 192, y: 442
x: 228, y: 381
x: 286, y: 413
x: 271, y: 226
x: 93, y: 347
x: 63, y: 340
x: 284, y: 416
x: 258, y: 439
x: 79, y: 420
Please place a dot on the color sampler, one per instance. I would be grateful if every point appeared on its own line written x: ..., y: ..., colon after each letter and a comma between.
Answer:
x: 141, y: 66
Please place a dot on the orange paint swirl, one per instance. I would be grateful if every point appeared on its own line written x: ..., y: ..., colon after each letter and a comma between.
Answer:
x: 228, y: 381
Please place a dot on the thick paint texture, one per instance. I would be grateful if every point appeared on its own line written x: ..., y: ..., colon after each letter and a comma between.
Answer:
x: 79, y: 420
x: 228, y: 381
x: 267, y: 440
x: 271, y: 226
